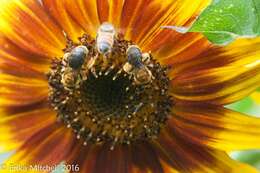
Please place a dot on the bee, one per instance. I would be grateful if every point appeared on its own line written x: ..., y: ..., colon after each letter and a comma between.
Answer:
x: 146, y: 58
x: 70, y: 78
x: 135, y: 66
x: 74, y: 61
x: 105, y: 38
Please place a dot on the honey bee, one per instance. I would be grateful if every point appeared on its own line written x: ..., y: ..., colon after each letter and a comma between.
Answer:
x: 135, y: 66
x: 146, y: 58
x: 70, y: 78
x: 74, y: 60
x: 105, y: 38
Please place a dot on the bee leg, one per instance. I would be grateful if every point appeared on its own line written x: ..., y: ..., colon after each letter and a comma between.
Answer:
x: 105, y: 61
x: 92, y: 62
x: 139, y: 106
x: 146, y: 58
x: 65, y: 59
x: 93, y: 71
x: 117, y: 74
x: 78, y: 80
x: 84, y: 74
x: 63, y: 69
x: 109, y: 70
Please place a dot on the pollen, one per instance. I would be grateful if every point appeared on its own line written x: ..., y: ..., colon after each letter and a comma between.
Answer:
x: 118, y: 96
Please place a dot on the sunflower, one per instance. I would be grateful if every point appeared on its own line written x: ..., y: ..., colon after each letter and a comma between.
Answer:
x: 100, y: 86
x: 256, y: 97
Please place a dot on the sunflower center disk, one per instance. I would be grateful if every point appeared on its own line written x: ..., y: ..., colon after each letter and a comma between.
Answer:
x: 106, y: 95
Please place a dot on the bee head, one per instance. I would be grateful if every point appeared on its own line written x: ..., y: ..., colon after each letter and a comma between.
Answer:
x: 134, y: 56
x: 103, y: 48
x: 77, y: 57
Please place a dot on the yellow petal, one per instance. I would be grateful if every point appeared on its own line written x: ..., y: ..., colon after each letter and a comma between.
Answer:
x: 167, y: 154
x: 220, y: 76
x: 49, y: 146
x: 178, y: 154
x: 18, y: 124
x: 174, y: 49
x: 139, y: 21
x: 256, y: 97
x: 17, y: 91
x: 216, y: 127
x: 58, y: 10
x: 84, y: 156
x: 29, y: 27
x: 143, y: 19
x: 16, y: 61
x: 84, y: 12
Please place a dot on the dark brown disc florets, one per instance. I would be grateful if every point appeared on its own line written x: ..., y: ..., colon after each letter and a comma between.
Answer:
x: 103, y: 102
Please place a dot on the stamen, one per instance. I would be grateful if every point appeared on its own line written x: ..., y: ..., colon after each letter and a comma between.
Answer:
x: 115, y: 94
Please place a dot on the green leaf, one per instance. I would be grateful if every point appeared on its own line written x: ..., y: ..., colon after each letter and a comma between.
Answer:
x: 242, y: 106
x: 225, y: 20
x: 246, y: 106
x: 250, y: 157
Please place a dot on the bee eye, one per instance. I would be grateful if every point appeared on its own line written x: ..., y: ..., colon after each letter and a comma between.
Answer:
x: 134, y: 56
x: 103, y: 47
x: 77, y: 57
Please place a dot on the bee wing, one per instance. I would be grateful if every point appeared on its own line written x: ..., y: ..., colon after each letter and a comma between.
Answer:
x: 91, y: 63
x: 146, y: 58
x: 65, y: 58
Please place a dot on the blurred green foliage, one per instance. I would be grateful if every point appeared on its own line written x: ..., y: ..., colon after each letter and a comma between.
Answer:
x: 249, y: 157
x: 250, y: 107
